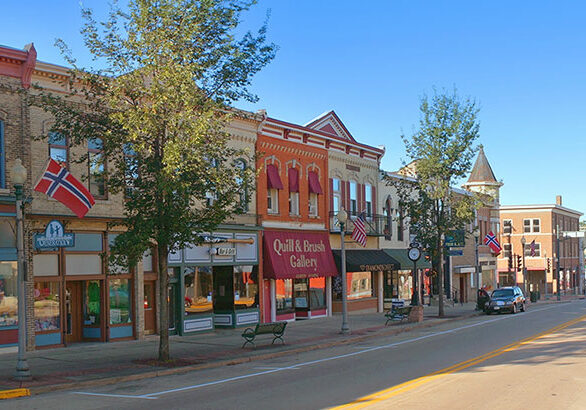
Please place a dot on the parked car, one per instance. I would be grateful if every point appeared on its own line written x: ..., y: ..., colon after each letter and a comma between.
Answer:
x: 509, y: 299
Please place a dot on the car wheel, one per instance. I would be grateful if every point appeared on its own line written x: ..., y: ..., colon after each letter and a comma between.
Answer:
x: 514, y: 310
x: 523, y: 307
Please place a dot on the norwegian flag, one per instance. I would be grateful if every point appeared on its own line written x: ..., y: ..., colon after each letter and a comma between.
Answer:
x: 492, y: 242
x: 57, y: 182
x: 359, y: 232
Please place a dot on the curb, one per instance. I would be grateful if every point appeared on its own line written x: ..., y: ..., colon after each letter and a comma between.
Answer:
x: 384, y: 331
x: 14, y: 393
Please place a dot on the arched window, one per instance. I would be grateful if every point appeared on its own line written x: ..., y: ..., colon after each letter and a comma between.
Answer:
x: 388, y: 210
x: 97, y: 168
x: 241, y: 167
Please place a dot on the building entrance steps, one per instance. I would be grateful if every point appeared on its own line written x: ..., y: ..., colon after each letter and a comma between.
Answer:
x: 85, y: 364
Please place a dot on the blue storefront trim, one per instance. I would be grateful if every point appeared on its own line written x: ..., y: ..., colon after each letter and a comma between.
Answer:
x: 92, y: 332
x: 120, y: 331
x: 7, y: 254
x: 47, y: 339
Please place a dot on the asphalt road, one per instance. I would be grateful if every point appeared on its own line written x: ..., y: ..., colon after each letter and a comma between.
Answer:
x: 531, y: 360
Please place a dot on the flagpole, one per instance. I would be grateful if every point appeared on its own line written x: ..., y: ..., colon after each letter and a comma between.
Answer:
x: 523, y: 242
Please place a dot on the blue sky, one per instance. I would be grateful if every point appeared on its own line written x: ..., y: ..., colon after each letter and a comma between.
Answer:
x: 523, y: 62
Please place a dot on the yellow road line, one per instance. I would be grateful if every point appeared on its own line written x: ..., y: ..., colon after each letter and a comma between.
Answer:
x: 11, y: 394
x: 411, y: 384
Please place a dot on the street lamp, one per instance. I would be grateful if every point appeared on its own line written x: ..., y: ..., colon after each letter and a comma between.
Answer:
x: 342, y: 217
x: 523, y: 242
x: 557, y: 254
x: 18, y: 175
x: 476, y: 234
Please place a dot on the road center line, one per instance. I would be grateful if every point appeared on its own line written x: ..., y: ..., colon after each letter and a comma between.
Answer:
x: 298, y: 365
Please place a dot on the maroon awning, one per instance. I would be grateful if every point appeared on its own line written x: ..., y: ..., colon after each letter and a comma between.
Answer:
x: 290, y: 255
x: 273, y: 179
x: 314, y: 185
x: 293, y: 180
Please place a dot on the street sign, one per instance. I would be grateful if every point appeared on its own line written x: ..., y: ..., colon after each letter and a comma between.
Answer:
x: 455, y: 252
x: 455, y: 239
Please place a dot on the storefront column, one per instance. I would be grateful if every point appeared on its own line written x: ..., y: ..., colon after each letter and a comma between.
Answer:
x: 273, y: 300
x: 329, y: 295
x: 379, y: 292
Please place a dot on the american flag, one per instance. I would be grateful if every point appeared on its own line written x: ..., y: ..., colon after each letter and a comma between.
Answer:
x: 532, y: 253
x: 359, y: 232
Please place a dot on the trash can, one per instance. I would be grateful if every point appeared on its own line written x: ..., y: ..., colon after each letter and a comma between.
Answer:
x: 533, y: 296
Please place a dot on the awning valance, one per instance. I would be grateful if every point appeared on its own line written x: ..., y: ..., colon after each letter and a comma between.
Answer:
x: 273, y: 178
x: 290, y: 255
x: 366, y: 260
x: 401, y: 255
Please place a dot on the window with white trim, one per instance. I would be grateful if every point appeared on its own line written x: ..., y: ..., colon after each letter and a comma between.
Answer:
x: 353, y: 198
x: 337, y: 195
x: 294, y: 203
x: 273, y: 201
x: 313, y: 207
x: 506, y: 250
x: 507, y: 226
x: 531, y: 225
x: 368, y: 199
x: 537, y: 250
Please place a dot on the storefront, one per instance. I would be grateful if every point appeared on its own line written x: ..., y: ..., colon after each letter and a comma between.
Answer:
x: 365, y: 269
x: 8, y: 278
x: 297, y: 267
x: 77, y: 296
x: 398, y: 283
x: 215, y: 284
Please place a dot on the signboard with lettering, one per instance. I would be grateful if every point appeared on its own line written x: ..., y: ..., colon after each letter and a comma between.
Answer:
x: 455, y: 239
x: 54, y: 237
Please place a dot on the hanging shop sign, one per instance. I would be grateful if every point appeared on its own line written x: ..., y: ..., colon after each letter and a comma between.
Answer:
x: 223, y: 251
x: 54, y: 237
x: 455, y: 239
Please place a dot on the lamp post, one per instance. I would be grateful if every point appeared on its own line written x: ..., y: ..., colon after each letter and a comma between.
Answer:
x: 523, y: 242
x: 342, y: 218
x: 557, y: 255
x: 18, y: 175
x: 476, y: 234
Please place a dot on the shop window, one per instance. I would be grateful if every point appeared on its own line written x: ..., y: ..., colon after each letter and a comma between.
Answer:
x: 8, y: 294
x: 119, y: 301
x: 47, y: 306
x: 97, y: 169
x: 7, y: 234
x: 245, y: 287
x: 58, y: 148
x: 317, y: 293
x: 284, y: 296
x: 300, y: 293
x: 91, y: 302
x: 199, y: 286
x: 360, y: 285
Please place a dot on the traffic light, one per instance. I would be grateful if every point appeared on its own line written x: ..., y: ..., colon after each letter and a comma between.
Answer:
x: 510, y: 261
x: 548, y: 264
x: 519, y: 263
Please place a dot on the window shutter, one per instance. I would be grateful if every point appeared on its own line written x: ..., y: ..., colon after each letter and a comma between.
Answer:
x: 331, y: 194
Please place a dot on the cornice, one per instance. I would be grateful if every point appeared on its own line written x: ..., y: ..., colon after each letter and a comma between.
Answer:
x: 291, y: 150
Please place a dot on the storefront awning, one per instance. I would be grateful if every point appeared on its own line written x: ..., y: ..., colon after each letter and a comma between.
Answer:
x: 405, y: 263
x: 366, y: 260
x: 290, y: 255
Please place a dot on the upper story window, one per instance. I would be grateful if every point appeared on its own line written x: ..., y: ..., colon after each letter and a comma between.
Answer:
x: 131, y: 171
x: 2, y: 157
x: 293, y: 191
x: 314, y: 191
x: 211, y: 196
x: 531, y: 225
x: 241, y: 167
x: 400, y: 227
x: 353, y: 198
x: 97, y: 169
x: 274, y: 184
x: 506, y: 250
x: 532, y: 249
x: 368, y: 199
x: 507, y: 226
x: 388, y: 211
x: 336, y: 194
x: 58, y: 147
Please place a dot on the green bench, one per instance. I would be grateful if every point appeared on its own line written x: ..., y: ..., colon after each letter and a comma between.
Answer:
x: 277, y: 329
x: 399, y: 313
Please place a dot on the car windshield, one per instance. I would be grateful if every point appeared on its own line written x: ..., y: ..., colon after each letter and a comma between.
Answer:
x: 502, y: 293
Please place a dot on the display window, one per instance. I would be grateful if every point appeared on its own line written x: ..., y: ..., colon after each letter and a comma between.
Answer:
x: 284, y: 296
x: 46, y: 307
x: 359, y: 285
x: 91, y: 302
x: 120, y: 312
x: 245, y: 287
x: 317, y: 293
x: 198, y: 290
x: 8, y: 294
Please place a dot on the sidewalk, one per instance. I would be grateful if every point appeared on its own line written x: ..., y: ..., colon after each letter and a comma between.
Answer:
x: 87, y: 364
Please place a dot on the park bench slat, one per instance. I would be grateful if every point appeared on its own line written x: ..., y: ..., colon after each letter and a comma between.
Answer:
x: 277, y: 329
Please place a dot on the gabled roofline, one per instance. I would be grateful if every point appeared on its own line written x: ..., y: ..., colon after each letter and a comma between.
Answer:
x: 332, y: 113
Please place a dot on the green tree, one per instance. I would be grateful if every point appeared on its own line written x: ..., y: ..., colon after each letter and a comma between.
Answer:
x: 440, y: 154
x: 160, y: 108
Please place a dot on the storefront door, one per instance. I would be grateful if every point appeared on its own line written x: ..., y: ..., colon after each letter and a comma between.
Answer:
x: 73, y: 310
x: 223, y: 288
x: 301, y: 295
x: 150, y: 315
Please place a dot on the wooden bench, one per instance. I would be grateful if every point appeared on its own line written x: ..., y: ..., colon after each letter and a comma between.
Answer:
x: 399, y: 313
x: 277, y: 329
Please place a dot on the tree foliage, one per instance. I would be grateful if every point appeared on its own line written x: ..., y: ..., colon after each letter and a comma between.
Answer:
x: 440, y: 154
x: 160, y: 107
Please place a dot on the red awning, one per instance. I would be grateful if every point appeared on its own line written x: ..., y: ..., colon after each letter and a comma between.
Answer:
x: 293, y: 180
x: 273, y: 179
x: 314, y: 185
x: 290, y: 255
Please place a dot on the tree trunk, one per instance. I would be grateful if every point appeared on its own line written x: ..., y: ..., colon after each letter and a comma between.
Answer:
x: 440, y: 277
x: 163, y: 254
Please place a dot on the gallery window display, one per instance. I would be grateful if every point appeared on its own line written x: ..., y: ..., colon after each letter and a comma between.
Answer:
x: 8, y: 294
x: 245, y: 287
x: 284, y: 296
x: 120, y: 301
x: 91, y: 303
x: 46, y: 306
x: 199, y: 286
